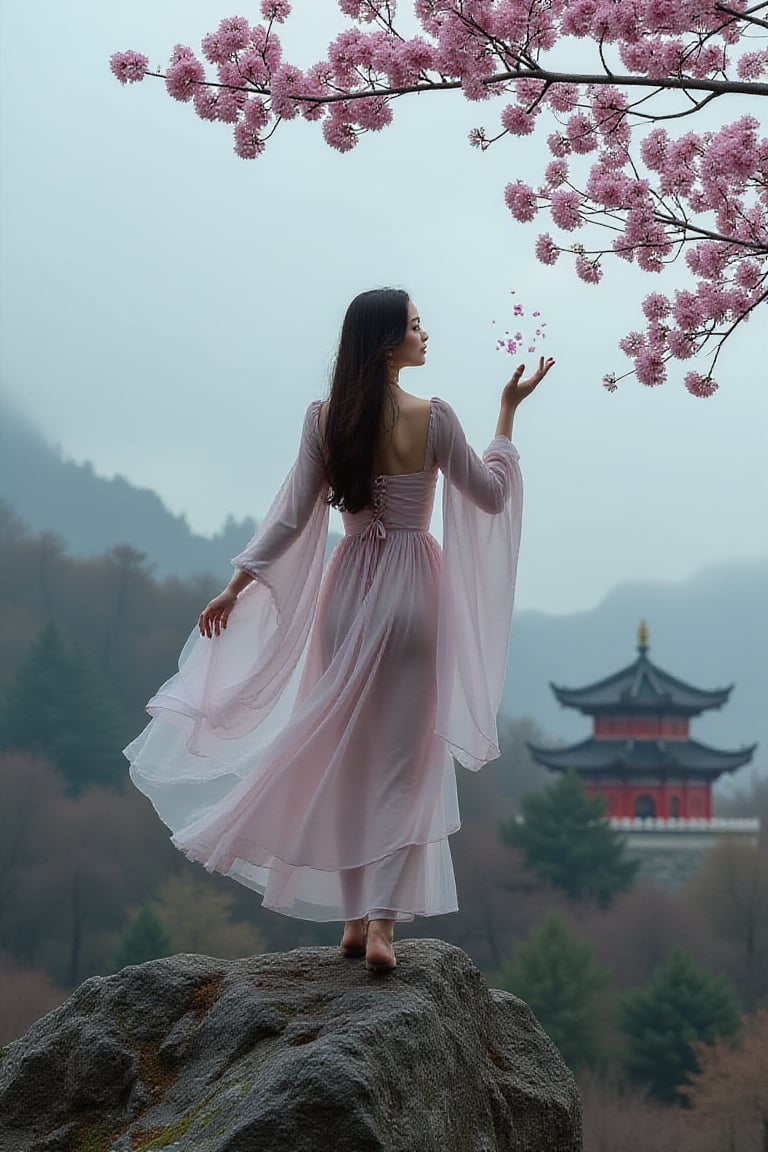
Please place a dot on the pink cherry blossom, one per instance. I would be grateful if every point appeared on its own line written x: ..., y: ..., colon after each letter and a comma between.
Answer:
x: 351, y: 49
x: 653, y: 149
x: 699, y: 385
x: 255, y: 114
x: 588, y: 270
x: 563, y: 97
x: 529, y: 91
x: 752, y: 65
x: 581, y: 133
x: 564, y: 207
x: 129, y: 67
x: 546, y: 249
x: 373, y: 114
x: 577, y: 18
x: 232, y: 36
x: 206, y: 102
x: 248, y: 143
x: 277, y: 10
x: 366, y: 10
x: 521, y: 200
x: 714, y: 301
x: 287, y: 82
x: 682, y: 345
x: 609, y: 187
x: 556, y: 173
x: 687, y: 310
x: 217, y: 104
x: 650, y: 366
x: 419, y: 55
x: 632, y: 343
x: 559, y: 145
x: 707, y: 259
x: 338, y: 131
x: 517, y: 120
x: 656, y: 306
x: 185, y: 73
x: 749, y: 274
x: 609, y: 107
x: 253, y: 67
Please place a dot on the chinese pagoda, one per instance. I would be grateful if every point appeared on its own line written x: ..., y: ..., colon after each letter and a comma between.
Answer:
x: 640, y: 756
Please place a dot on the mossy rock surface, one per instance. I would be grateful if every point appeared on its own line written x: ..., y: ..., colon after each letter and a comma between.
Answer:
x: 296, y: 1052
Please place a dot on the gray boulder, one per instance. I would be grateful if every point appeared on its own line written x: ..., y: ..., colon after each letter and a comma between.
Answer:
x: 295, y: 1052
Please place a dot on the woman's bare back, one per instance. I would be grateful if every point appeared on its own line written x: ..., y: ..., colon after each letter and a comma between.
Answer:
x: 401, y: 449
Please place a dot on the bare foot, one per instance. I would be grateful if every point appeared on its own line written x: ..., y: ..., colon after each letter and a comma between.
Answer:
x: 380, y: 951
x: 353, y: 939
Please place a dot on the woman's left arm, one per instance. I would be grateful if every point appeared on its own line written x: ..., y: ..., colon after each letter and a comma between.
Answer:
x: 516, y: 391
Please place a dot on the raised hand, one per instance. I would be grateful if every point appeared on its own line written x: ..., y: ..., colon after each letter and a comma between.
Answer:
x: 518, y: 389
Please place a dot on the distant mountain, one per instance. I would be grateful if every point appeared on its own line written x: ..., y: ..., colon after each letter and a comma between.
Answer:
x: 711, y: 630
x: 92, y: 514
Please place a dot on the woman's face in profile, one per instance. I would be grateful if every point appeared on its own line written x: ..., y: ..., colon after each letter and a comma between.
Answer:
x: 412, y: 350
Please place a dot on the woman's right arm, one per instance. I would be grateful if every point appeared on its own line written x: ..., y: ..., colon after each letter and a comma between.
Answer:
x: 217, y: 611
x: 284, y: 522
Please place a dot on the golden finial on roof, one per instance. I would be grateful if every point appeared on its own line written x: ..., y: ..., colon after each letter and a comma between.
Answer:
x: 642, y: 637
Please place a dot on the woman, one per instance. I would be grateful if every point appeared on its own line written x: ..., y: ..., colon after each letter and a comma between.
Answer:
x: 304, y: 747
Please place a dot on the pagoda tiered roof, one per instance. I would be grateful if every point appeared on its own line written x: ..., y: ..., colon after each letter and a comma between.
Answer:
x: 642, y: 758
x: 641, y: 687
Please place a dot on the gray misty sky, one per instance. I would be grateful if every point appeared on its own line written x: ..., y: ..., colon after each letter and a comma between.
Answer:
x: 168, y: 310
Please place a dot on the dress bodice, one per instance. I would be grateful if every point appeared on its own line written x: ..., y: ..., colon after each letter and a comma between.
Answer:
x: 400, y: 503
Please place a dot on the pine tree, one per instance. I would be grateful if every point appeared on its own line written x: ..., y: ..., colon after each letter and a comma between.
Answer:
x: 681, y: 1006
x: 144, y: 939
x: 57, y: 706
x: 555, y: 973
x: 567, y: 841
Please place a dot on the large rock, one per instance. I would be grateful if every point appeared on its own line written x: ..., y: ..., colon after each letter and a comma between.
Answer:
x: 295, y: 1052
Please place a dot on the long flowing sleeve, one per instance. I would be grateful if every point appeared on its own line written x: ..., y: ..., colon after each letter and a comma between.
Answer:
x: 233, y: 692
x: 482, y: 512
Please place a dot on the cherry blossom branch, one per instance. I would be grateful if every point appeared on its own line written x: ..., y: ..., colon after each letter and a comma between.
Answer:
x: 725, y: 336
x: 746, y: 16
x: 704, y: 194
x: 656, y: 117
x: 718, y: 87
x: 685, y: 225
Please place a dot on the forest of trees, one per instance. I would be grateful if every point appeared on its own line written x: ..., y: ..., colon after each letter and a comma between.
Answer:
x: 657, y: 998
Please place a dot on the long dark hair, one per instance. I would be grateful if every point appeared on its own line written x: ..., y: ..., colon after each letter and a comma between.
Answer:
x: 375, y: 324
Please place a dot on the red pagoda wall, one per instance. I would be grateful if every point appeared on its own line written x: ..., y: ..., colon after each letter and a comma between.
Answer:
x: 640, y: 728
x: 694, y: 801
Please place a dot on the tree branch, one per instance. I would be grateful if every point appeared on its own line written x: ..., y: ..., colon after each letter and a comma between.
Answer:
x: 684, y: 84
x: 747, y: 16
x: 739, y: 320
x: 673, y: 83
x: 687, y: 226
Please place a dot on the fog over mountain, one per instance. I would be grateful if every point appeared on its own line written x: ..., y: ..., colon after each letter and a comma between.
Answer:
x: 92, y: 514
x: 711, y: 629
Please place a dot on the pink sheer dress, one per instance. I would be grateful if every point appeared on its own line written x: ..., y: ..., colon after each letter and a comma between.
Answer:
x: 307, y: 751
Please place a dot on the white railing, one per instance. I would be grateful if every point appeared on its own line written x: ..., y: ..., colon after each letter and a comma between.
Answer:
x: 716, y: 824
